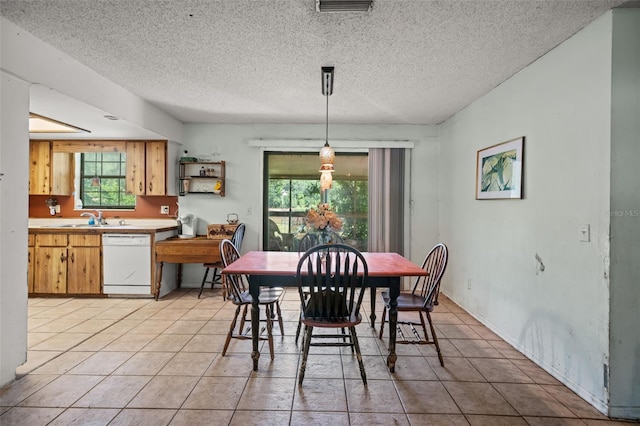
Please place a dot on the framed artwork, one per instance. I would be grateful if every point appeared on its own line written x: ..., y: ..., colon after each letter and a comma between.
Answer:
x: 499, y: 171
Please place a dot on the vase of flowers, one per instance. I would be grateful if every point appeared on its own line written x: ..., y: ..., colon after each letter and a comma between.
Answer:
x: 323, y: 221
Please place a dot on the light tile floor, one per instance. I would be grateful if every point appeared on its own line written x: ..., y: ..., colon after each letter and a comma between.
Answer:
x: 138, y: 361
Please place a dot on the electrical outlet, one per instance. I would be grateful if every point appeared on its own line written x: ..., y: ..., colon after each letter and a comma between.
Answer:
x: 57, y: 208
x: 469, y: 284
x: 584, y: 232
x: 164, y: 210
x: 248, y: 211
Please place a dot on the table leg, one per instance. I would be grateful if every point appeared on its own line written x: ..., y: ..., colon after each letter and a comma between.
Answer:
x: 254, y: 290
x: 157, y: 292
x: 374, y: 293
x: 394, y: 292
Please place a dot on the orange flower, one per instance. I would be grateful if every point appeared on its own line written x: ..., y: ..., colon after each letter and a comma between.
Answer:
x: 323, y: 218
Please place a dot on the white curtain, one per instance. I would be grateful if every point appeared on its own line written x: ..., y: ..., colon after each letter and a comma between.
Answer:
x: 386, y: 200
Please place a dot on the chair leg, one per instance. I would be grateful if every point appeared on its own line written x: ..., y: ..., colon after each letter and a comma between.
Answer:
x: 308, y: 331
x: 424, y: 328
x: 435, y: 339
x: 230, y: 334
x: 216, y: 275
x: 356, y: 345
x: 298, y: 330
x: 204, y: 280
x: 224, y: 287
x: 384, y: 317
x: 280, y: 323
x: 243, y: 319
x: 269, y: 331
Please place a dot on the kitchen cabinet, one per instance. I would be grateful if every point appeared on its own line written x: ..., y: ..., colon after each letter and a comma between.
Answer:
x: 50, y: 173
x: 84, y: 268
x: 67, y: 264
x: 202, y: 177
x: 146, y: 167
x: 39, y: 168
x: 50, y: 271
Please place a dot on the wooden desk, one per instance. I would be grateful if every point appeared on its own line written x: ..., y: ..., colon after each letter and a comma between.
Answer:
x: 278, y: 269
x: 185, y: 250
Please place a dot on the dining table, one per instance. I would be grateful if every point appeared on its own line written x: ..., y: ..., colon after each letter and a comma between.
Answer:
x: 278, y: 269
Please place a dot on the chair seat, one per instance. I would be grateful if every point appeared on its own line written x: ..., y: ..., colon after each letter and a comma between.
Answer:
x: 407, y: 302
x: 267, y: 297
x: 350, y: 321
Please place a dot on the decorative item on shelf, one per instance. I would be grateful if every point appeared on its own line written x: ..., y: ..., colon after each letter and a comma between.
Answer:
x: 232, y: 218
x: 217, y: 187
x: 218, y: 231
x: 323, y: 221
x: 185, y: 185
x: 203, y: 172
x: 186, y: 159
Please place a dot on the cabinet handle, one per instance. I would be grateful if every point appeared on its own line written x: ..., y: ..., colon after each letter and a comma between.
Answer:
x: 150, y: 186
x: 72, y: 258
x: 63, y: 257
x: 140, y: 186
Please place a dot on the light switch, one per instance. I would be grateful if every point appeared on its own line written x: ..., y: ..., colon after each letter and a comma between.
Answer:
x: 585, y: 232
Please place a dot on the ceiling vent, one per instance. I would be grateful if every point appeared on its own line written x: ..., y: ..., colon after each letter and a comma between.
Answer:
x: 344, y: 5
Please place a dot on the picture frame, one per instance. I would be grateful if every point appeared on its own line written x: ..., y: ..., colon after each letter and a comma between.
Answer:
x: 499, y: 171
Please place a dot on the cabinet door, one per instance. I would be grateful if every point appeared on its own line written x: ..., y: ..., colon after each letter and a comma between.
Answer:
x: 135, y: 183
x: 84, y: 270
x: 156, y: 168
x: 50, y: 270
x: 39, y: 168
x: 63, y: 172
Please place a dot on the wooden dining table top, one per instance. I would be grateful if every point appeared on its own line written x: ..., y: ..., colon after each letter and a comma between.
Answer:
x: 285, y: 263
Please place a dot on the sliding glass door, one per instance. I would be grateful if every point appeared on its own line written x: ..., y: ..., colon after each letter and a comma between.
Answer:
x: 292, y: 187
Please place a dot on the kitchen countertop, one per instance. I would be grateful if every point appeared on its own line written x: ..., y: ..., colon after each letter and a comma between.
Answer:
x: 130, y: 226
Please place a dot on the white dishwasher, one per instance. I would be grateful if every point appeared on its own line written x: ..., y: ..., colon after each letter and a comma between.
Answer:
x: 126, y: 260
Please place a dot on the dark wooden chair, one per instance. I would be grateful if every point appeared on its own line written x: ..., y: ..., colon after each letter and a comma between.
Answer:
x: 335, y: 276
x: 236, y: 239
x: 306, y: 242
x: 238, y: 294
x: 422, y: 299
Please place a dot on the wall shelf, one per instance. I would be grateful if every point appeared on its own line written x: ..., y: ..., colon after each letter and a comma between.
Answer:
x: 202, y: 177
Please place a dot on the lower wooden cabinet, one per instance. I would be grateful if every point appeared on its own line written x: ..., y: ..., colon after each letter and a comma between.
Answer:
x: 84, y: 267
x: 67, y: 264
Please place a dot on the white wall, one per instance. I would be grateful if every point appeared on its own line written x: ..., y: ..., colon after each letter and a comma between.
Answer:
x: 625, y: 216
x: 559, y: 317
x: 244, y: 176
x: 14, y: 211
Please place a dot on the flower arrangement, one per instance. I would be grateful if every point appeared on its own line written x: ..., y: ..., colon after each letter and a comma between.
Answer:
x: 323, y: 218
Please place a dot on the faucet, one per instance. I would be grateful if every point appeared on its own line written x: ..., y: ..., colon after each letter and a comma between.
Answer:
x: 99, y: 220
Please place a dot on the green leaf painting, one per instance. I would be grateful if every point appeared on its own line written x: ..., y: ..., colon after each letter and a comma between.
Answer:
x: 497, y: 172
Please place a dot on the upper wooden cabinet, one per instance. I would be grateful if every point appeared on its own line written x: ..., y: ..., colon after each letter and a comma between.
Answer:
x: 52, y: 165
x: 40, y: 168
x: 50, y: 173
x: 135, y: 168
x: 147, y: 168
x: 156, y: 164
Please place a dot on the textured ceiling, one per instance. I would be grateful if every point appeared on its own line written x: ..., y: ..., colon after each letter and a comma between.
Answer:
x: 258, y: 61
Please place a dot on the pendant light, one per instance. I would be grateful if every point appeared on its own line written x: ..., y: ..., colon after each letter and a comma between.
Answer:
x: 327, y: 155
